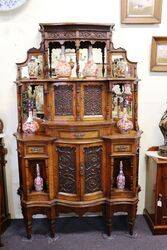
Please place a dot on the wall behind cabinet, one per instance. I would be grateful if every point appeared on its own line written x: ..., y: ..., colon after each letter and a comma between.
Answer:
x: 19, y: 32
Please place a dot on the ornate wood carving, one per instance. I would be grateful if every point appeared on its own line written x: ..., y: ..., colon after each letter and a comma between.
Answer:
x: 93, y: 100
x: 64, y: 100
x: 67, y: 169
x: 92, y: 35
x: 61, y: 35
x: 93, y: 164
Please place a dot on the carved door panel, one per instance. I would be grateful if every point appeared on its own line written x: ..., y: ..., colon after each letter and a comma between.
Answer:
x: 63, y: 95
x: 67, y: 172
x: 93, y: 101
x: 92, y: 171
x: 162, y: 194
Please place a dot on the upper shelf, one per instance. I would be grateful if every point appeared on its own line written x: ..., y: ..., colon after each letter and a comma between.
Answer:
x: 76, y: 51
x: 66, y: 31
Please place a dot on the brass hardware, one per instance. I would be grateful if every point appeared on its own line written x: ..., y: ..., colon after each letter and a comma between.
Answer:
x: 79, y: 135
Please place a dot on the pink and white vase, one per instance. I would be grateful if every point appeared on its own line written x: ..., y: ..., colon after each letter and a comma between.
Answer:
x: 30, y: 126
x: 63, y: 68
x: 90, y: 69
x: 124, y: 124
x: 121, y: 177
x: 38, y: 181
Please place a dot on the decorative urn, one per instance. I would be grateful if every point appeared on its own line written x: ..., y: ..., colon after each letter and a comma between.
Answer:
x: 163, y: 128
x: 38, y: 182
x: 90, y: 69
x: 124, y: 124
x: 63, y: 68
x: 121, y: 177
x: 30, y: 126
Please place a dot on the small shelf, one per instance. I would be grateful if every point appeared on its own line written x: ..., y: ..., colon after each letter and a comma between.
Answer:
x: 51, y: 80
x: 116, y: 190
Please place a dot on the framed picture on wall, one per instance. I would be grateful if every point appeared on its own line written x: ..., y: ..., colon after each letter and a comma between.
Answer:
x: 141, y: 11
x: 159, y: 54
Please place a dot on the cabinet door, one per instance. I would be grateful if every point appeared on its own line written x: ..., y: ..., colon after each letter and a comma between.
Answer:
x: 64, y: 99
x: 162, y: 194
x: 67, y: 172
x: 93, y: 101
x: 92, y: 171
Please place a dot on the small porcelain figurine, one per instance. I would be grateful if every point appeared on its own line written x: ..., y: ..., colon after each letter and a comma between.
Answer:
x: 119, y: 67
x: 90, y: 69
x: 38, y: 182
x: 33, y: 68
x: 63, y: 68
x: 30, y: 126
x: 121, y: 177
x: 124, y: 125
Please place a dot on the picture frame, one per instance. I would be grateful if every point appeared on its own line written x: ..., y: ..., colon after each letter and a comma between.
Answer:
x: 159, y: 54
x: 141, y: 11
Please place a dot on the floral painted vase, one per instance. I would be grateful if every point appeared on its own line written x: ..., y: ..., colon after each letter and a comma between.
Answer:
x: 90, y: 68
x: 30, y: 126
x: 121, y: 177
x: 38, y: 182
x: 124, y: 125
x: 33, y: 68
x: 63, y: 68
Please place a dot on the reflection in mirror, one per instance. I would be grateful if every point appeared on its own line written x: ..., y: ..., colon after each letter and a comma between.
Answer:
x: 33, y: 99
x: 122, y: 98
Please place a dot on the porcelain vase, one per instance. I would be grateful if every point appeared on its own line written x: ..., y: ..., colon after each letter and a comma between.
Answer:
x: 124, y: 124
x: 90, y: 69
x: 38, y: 182
x: 63, y: 68
x: 121, y: 177
x: 30, y: 126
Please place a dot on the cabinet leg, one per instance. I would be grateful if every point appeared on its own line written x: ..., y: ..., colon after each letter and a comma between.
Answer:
x: 29, y: 229
x: 1, y: 245
x: 28, y: 222
x: 131, y: 219
x: 109, y: 215
x: 52, y: 228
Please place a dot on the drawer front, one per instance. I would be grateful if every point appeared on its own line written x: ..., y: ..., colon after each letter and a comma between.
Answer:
x: 79, y: 135
x: 36, y: 149
x: 121, y: 148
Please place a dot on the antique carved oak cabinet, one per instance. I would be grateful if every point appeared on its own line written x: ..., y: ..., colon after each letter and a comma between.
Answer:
x: 78, y: 146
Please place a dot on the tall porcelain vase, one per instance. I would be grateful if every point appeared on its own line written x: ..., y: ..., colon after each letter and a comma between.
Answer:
x: 91, y: 69
x: 63, y: 68
x: 38, y: 182
x: 121, y: 177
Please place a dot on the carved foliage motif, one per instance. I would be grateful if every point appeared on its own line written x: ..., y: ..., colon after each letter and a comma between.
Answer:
x: 67, y: 169
x: 93, y: 100
x: 60, y: 35
x: 63, y: 100
x: 92, y: 35
x: 93, y: 164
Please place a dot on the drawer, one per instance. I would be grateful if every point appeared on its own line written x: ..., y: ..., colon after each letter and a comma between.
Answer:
x: 79, y: 135
x: 36, y: 149
x: 122, y: 148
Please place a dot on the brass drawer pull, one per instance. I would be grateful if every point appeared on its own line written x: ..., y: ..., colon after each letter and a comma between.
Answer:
x: 79, y: 135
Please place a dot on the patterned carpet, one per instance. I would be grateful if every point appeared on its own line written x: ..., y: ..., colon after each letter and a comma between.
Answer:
x: 83, y: 234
